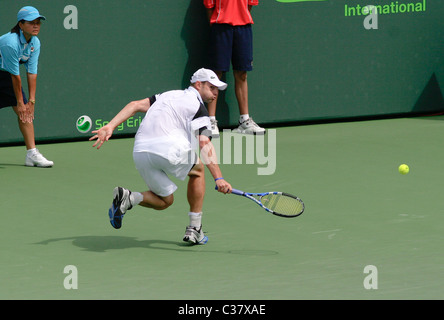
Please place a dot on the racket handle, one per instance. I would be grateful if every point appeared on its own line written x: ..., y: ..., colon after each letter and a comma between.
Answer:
x: 235, y: 191
x: 238, y: 192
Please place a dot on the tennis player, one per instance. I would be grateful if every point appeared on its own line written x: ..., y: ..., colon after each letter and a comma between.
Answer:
x: 175, y: 121
x: 21, y: 46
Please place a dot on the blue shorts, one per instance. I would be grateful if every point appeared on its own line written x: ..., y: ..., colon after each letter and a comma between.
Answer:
x: 7, y: 95
x: 231, y: 44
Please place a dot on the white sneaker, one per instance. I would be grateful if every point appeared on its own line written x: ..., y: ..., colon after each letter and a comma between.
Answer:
x: 194, y: 236
x: 36, y: 159
x: 249, y: 127
x: 214, y: 128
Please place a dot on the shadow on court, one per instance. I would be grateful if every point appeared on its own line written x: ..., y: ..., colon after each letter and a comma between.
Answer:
x: 106, y: 243
x: 3, y: 165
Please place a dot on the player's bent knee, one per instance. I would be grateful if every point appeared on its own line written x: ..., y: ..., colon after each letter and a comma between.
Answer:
x: 167, y: 201
x: 197, y: 170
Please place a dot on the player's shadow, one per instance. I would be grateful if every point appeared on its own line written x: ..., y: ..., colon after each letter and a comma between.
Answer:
x: 3, y: 165
x: 106, y: 243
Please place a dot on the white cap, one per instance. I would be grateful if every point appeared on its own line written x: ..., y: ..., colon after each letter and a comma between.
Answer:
x: 208, y: 75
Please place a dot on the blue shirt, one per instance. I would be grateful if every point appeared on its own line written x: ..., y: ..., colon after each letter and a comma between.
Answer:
x: 15, y: 50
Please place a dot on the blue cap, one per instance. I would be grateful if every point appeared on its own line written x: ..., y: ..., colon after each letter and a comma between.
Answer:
x: 29, y: 14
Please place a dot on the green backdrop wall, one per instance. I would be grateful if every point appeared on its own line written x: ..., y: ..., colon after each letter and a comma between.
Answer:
x: 313, y: 60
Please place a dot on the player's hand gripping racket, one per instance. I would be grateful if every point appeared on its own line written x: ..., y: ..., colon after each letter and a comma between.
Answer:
x: 278, y: 203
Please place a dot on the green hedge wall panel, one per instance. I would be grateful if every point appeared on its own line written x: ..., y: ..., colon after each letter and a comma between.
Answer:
x: 313, y: 60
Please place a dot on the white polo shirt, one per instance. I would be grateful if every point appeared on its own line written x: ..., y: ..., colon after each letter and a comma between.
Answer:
x: 170, y: 126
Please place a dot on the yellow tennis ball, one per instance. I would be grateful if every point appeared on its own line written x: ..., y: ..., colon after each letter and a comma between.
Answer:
x: 403, y: 169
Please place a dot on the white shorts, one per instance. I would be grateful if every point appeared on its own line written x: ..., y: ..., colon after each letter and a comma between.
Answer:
x: 155, y: 170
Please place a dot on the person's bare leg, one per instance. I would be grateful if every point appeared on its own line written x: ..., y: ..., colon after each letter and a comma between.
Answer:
x: 195, y: 196
x: 196, y: 187
x: 153, y: 201
x: 246, y: 124
x: 241, y: 90
x: 27, y: 130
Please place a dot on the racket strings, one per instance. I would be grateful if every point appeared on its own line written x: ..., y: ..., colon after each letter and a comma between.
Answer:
x: 283, y: 204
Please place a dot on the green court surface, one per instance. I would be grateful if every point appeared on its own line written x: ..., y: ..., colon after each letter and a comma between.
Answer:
x: 359, y: 212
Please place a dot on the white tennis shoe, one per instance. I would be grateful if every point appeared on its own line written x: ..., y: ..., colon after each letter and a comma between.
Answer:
x: 249, y: 127
x: 194, y: 236
x: 36, y: 159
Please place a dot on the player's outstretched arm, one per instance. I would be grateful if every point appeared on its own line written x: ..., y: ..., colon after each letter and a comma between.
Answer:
x: 104, y: 133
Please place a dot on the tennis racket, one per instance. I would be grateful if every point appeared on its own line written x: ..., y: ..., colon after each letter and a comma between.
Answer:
x: 278, y: 203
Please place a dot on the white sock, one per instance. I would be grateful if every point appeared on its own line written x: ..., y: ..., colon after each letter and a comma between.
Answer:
x: 244, y: 117
x: 212, y: 117
x: 31, y: 151
x: 136, y: 198
x: 195, y: 219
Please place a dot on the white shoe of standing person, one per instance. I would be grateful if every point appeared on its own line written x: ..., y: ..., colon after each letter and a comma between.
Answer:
x: 36, y: 159
x: 249, y: 127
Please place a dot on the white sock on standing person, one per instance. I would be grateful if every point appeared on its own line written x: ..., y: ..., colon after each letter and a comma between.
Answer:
x: 31, y: 151
x: 244, y: 117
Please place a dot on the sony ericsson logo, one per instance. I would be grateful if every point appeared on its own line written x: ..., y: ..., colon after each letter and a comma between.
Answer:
x: 288, y: 1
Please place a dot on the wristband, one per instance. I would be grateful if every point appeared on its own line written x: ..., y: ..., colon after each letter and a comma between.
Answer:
x: 32, y: 101
x: 218, y: 179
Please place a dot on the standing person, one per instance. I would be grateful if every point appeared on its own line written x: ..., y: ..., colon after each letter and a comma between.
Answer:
x: 231, y: 40
x: 21, y: 46
x: 163, y: 147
